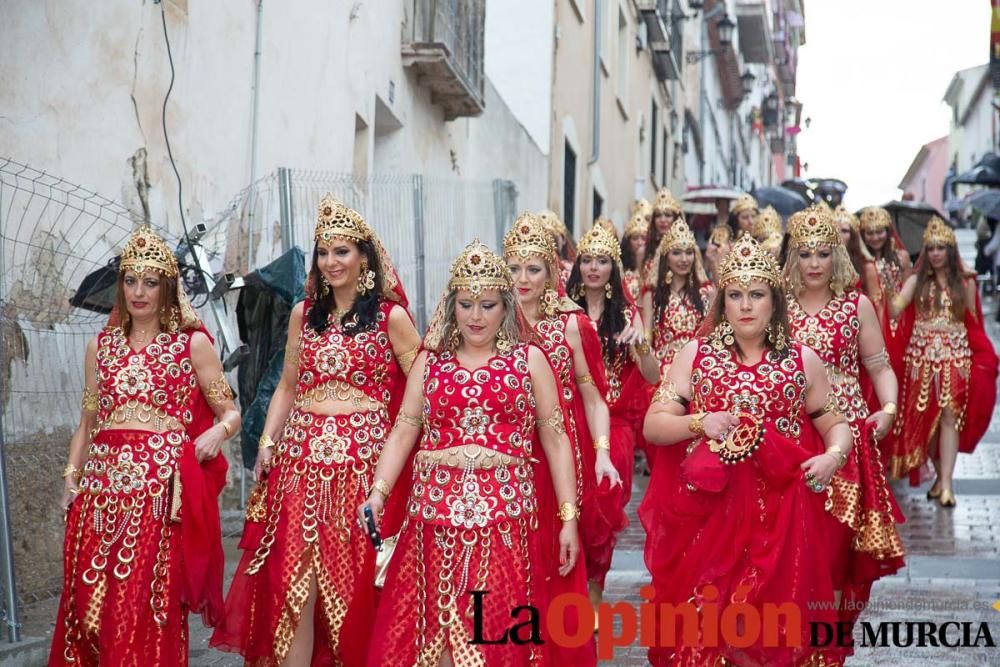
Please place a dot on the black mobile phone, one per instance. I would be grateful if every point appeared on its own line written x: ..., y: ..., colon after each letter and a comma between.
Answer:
x: 373, y: 533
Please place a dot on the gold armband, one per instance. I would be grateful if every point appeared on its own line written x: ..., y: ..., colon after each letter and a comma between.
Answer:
x: 877, y: 360
x: 265, y: 442
x: 568, y: 511
x: 292, y: 354
x: 829, y: 408
x: 382, y: 487
x: 89, y: 400
x: 407, y: 419
x: 554, y: 421
x: 584, y: 379
x: 898, y: 302
x: 642, y: 348
x: 219, y: 391
x: 602, y: 443
x: 406, y: 359
x: 666, y: 393
x: 72, y: 470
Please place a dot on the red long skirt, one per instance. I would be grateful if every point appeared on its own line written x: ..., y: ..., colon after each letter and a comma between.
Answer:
x: 310, y: 537
x: 121, y: 600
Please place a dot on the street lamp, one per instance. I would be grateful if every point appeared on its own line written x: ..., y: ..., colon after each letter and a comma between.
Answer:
x: 725, y: 27
x: 747, y: 80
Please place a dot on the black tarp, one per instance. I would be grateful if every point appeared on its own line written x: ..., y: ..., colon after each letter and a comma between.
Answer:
x: 262, y: 313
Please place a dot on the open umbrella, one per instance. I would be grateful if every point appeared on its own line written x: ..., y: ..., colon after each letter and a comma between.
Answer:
x: 986, y: 202
x: 980, y: 175
x: 910, y: 219
x: 785, y: 201
x: 710, y: 193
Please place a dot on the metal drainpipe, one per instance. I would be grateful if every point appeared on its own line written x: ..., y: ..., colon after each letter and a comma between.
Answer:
x: 702, y: 120
x: 254, y: 124
x: 596, y: 98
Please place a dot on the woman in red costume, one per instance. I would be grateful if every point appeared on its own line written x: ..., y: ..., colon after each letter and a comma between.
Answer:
x: 143, y: 543
x: 677, y: 295
x: 565, y: 250
x: 741, y: 519
x: 569, y: 339
x: 666, y: 210
x: 303, y: 592
x: 891, y: 263
x: 633, y: 251
x: 630, y: 366
x: 768, y: 231
x: 947, y: 353
x: 482, y: 399
x: 743, y: 213
x: 827, y: 313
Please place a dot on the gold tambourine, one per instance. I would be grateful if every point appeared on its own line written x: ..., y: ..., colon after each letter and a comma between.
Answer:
x: 741, y: 442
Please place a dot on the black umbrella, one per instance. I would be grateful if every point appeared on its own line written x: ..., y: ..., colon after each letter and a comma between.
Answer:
x: 986, y: 202
x: 98, y: 288
x: 785, y: 201
x: 979, y: 175
x: 911, y: 218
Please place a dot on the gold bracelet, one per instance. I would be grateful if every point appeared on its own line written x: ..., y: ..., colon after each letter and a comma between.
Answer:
x: 642, y: 348
x: 602, y: 443
x: 402, y: 417
x: 382, y: 487
x: 265, y: 442
x: 568, y: 511
x: 841, y: 456
x: 889, y: 409
x: 89, y: 402
x: 69, y: 470
x: 229, y: 429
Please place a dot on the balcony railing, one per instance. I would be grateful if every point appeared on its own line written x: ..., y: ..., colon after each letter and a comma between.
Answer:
x: 445, y: 48
x: 665, y: 35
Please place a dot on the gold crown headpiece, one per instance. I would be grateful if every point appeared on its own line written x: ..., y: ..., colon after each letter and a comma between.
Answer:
x: 599, y: 241
x: 529, y: 237
x: 875, y: 218
x: 642, y: 207
x: 744, y: 202
x: 608, y: 224
x: 813, y: 227
x: 678, y: 236
x: 666, y: 203
x: 637, y: 225
x: 145, y: 251
x: 477, y: 269
x: 551, y: 222
x: 767, y: 223
x: 938, y: 232
x: 336, y: 220
x: 841, y: 214
x: 746, y: 262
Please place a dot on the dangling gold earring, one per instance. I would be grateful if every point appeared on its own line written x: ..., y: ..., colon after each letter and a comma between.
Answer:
x: 174, y: 322
x: 503, y: 342
x: 723, y: 335
x: 366, y: 279
x: 324, y: 286
x: 454, y: 339
x: 776, y: 334
x: 549, y: 300
x: 608, y: 292
x: 581, y: 291
x: 669, y: 278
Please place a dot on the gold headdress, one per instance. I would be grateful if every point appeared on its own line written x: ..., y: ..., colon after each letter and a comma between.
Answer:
x: 841, y: 214
x: 637, y: 225
x: 608, y: 224
x: 642, y: 207
x: 335, y: 220
x: 678, y: 236
x: 145, y: 251
x: 743, y: 203
x: 599, y: 241
x: 812, y: 228
x: 477, y: 269
x: 551, y: 222
x: 529, y: 237
x: 767, y: 224
x: 746, y: 262
x: 666, y: 203
x: 875, y: 218
x: 938, y: 232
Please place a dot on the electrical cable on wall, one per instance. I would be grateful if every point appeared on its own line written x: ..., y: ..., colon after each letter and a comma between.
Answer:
x: 166, y: 138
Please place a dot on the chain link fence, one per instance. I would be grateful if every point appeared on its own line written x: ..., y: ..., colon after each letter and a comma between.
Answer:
x: 53, y: 234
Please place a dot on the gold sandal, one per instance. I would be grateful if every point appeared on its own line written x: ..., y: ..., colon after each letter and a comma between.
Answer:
x: 931, y: 493
x: 947, y: 499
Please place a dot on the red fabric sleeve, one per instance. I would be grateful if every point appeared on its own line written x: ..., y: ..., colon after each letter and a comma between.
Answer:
x: 982, y: 395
